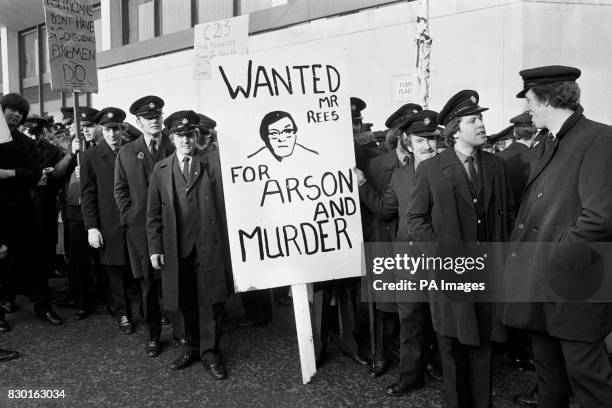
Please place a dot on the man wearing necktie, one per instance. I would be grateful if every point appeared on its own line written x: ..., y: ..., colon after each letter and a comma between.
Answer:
x: 567, y: 204
x: 133, y: 168
x: 461, y: 196
x: 187, y: 237
x: 101, y: 215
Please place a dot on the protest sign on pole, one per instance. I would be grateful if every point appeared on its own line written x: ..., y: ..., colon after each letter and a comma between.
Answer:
x: 287, y: 156
x: 72, y: 45
x: 223, y: 37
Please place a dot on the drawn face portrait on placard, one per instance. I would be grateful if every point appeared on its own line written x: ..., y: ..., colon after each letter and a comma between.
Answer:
x: 278, y: 131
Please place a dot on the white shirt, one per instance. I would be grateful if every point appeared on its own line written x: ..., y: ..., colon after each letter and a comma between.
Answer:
x: 179, y: 159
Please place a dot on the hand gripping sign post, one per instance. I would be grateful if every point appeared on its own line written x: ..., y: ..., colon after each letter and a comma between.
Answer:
x: 71, y: 43
x: 291, y: 197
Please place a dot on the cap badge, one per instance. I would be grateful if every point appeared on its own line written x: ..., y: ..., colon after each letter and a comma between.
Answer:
x: 473, y: 99
x: 83, y: 115
x: 34, y: 125
x: 109, y: 115
x: 426, y: 121
x: 185, y: 121
x: 152, y: 105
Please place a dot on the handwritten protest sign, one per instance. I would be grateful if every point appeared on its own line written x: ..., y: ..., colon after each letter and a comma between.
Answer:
x: 223, y: 37
x: 72, y: 45
x: 286, y: 151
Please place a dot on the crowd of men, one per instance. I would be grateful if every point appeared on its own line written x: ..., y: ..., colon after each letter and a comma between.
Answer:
x: 147, y: 205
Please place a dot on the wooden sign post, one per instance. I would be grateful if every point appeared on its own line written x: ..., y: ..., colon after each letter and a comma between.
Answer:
x: 303, y: 327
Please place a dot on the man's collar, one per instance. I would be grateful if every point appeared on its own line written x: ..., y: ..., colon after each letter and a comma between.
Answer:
x: 463, y: 155
x: 401, y: 156
x: 148, y: 139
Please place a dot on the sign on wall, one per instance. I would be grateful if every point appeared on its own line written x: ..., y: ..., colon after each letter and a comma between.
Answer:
x: 72, y: 45
x: 403, y: 88
x: 223, y: 37
x: 286, y: 146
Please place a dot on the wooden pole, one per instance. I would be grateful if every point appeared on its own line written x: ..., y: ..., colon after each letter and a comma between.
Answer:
x: 303, y: 327
x: 77, y: 124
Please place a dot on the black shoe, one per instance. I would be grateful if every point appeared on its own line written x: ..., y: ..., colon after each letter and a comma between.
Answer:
x: 153, y: 348
x: 4, y: 326
x: 217, y: 370
x: 125, y: 325
x: 356, y: 357
x: 433, y: 372
x: 378, y: 368
x: 529, y: 399
x: 398, y: 389
x: 9, y: 306
x: 51, y: 317
x: 6, y: 355
x: 165, y: 321
x: 183, y: 361
x: 81, y: 314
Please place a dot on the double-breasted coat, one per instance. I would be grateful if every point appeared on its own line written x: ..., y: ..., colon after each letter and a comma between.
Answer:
x: 133, y: 169
x: 441, y: 209
x: 567, y: 200
x: 211, y: 243
x: 98, y: 203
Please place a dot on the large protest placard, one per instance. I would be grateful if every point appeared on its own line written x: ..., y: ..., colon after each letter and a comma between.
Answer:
x: 72, y: 45
x: 286, y: 146
x: 223, y: 37
x: 5, y: 133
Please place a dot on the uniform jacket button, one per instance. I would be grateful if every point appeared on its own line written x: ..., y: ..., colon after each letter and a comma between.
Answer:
x: 540, y: 194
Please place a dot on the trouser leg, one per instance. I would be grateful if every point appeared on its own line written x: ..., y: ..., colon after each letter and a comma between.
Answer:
x: 118, y: 280
x: 411, y: 319
x: 551, y: 374
x: 150, y: 301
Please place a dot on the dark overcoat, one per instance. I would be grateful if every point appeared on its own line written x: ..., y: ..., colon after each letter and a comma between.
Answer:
x: 567, y: 200
x: 517, y: 157
x: 133, y: 169
x: 98, y: 203
x: 441, y: 209
x: 211, y: 244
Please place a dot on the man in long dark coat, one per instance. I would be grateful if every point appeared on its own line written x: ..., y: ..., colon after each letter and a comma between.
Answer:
x: 461, y: 195
x: 567, y: 201
x: 100, y: 212
x: 132, y: 171
x: 187, y: 234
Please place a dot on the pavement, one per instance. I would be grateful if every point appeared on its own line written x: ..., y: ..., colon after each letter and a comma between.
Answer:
x: 97, y: 366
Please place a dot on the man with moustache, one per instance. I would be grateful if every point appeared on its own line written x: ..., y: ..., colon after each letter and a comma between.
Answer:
x: 461, y: 196
x: 80, y: 255
x: 101, y: 215
x: 567, y: 203
x: 378, y: 173
x: 418, y: 133
x: 133, y: 168
x: 187, y: 234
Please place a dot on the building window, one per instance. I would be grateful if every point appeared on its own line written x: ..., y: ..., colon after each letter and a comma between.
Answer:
x: 138, y: 20
x: 212, y: 10
x: 174, y: 15
x: 97, y: 16
x: 28, y: 44
x: 250, y: 6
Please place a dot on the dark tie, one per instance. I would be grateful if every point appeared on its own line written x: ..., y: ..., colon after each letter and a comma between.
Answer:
x: 549, y: 142
x: 405, y: 161
x: 474, y: 177
x: 153, y: 147
x: 186, y: 168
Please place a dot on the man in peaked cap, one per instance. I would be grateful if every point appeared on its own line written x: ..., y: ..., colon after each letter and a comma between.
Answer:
x: 419, y: 131
x: 461, y: 196
x: 397, y: 118
x: 81, y: 256
x: 517, y: 155
x: 45, y: 202
x: 208, y: 135
x: 187, y: 236
x: 567, y: 200
x: 378, y: 172
x: 133, y: 168
x: 101, y: 215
